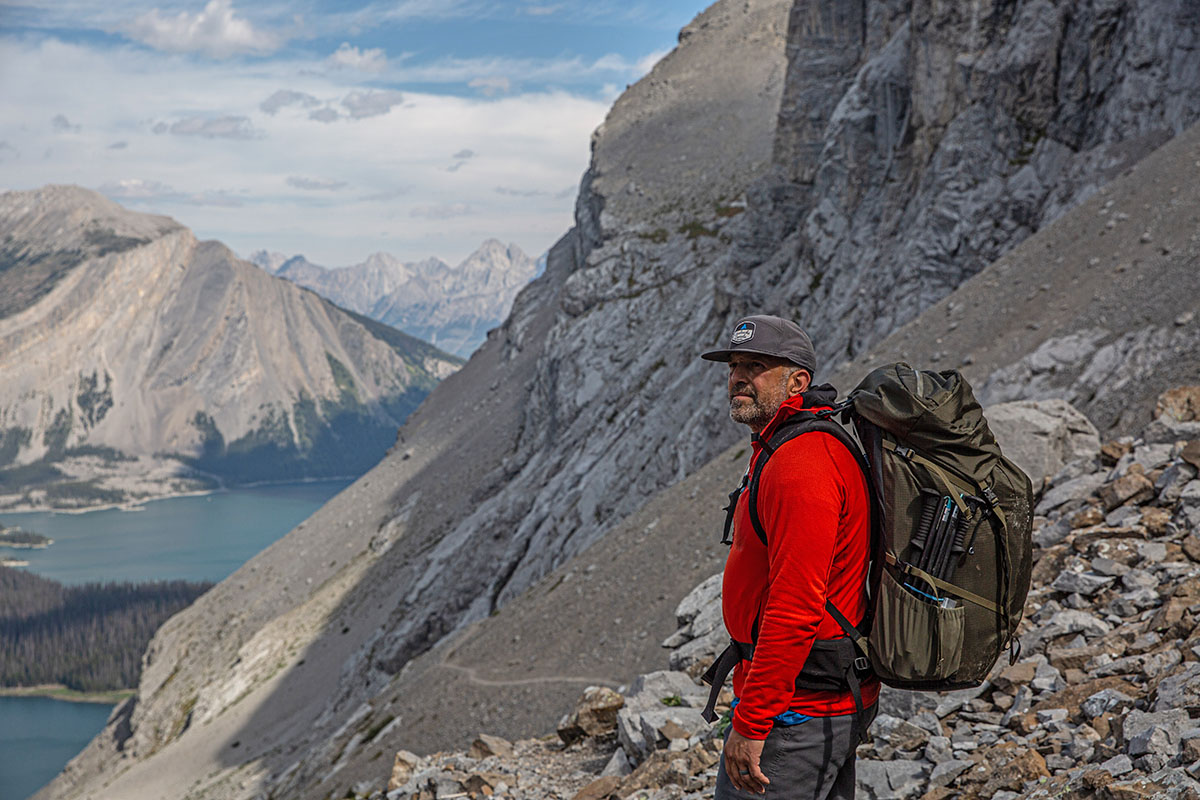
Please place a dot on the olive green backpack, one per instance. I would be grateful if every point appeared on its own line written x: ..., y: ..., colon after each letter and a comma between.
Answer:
x: 954, y: 518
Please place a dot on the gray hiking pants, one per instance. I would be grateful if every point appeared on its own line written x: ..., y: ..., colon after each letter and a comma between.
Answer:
x: 810, y: 761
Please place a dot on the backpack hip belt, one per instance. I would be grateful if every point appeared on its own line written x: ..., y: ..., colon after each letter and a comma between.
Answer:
x: 833, y: 665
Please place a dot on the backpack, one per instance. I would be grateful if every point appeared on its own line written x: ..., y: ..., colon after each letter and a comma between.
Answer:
x: 950, y: 555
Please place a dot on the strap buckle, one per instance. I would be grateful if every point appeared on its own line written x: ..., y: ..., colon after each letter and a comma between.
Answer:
x: 862, y: 664
x: 904, y: 452
x: 835, y: 409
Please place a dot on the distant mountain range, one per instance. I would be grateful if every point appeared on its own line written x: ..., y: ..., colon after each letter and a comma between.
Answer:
x: 452, y: 307
x: 138, y: 362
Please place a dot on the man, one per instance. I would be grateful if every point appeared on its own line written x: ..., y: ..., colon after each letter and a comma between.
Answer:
x: 813, y: 506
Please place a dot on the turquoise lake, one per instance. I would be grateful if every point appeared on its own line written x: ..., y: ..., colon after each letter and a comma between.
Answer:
x: 202, y: 538
x: 38, y: 736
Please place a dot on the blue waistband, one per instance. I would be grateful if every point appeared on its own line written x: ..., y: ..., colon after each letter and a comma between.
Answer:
x: 786, y: 719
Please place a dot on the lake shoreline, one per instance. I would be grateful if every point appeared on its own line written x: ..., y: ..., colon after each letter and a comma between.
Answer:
x: 129, y: 505
x: 56, y: 691
x: 140, y: 504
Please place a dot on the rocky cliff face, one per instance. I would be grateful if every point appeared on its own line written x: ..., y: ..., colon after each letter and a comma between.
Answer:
x: 916, y: 142
x: 131, y: 348
x: 452, y: 307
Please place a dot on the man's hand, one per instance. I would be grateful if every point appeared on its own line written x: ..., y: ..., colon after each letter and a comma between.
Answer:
x: 741, y: 763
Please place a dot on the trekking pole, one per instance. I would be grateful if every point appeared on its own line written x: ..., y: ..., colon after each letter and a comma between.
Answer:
x: 929, y: 508
x: 936, y: 541
x: 960, y: 546
x: 947, y: 545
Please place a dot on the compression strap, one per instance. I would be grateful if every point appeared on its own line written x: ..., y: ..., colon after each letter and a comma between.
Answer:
x: 948, y: 588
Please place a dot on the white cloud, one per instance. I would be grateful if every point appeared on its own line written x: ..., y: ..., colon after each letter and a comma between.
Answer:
x: 286, y: 97
x: 62, y: 124
x: 371, y: 104
x: 611, y: 62
x: 386, y: 195
x: 510, y: 192
x: 647, y: 62
x: 215, y: 31
x: 226, y: 127
x: 460, y: 160
x: 535, y: 141
x: 142, y: 192
x: 516, y: 71
x: 315, y: 184
x: 347, y: 57
x: 542, y: 11
x: 135, y: 189
x: 443, y: 211
x: 429, y: 9
x: 491, y: 85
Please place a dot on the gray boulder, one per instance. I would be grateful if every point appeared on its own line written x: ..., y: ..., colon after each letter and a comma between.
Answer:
x: 663, y: 726
x: 1180, y: 691
x: 1170, y: 484
x: 1159, y: 733
x: 947, y: 771
x: 693, y: 652
x: 707, y: 593
x: 1072, y: 489
x: 891, y: 780
x: 899, y: 733
x: 618, y: 766
x: 1118, y: 765
x: 654, y: 700
x: 702, y: 635
x: 905, y: 704
x: 1042, y: 436
x: 1104, y: 700
x: 648, y: 691
x: 1085, y: 583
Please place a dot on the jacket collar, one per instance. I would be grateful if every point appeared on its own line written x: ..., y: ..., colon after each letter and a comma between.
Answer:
x: 815, y: 399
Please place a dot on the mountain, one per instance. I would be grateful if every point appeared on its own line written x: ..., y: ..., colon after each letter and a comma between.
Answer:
x: 452, y: 307
x: 850, y: 164
x: 139, y: 361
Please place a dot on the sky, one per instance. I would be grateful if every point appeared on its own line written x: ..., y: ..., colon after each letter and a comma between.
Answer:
x: 329, y: 129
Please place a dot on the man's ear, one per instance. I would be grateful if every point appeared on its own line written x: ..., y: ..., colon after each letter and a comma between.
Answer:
x: 799, y: 382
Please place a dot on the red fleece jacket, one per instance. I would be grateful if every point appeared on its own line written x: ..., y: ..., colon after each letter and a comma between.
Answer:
x: 814, y: 506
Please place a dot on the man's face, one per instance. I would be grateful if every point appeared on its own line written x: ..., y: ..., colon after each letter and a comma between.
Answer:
x: 758, y: 385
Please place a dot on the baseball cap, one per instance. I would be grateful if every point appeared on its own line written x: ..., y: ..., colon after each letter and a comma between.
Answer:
x: 769, y: 336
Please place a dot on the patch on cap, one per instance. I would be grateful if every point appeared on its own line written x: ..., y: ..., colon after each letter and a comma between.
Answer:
x: 743, y: 333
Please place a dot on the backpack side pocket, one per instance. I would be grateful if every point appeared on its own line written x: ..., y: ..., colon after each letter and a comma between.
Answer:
x: 914, y: 640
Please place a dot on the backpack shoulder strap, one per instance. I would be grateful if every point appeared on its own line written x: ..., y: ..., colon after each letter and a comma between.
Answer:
x: 792, y: 427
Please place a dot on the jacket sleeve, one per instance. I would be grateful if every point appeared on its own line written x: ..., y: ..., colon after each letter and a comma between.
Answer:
x: 800, y: 501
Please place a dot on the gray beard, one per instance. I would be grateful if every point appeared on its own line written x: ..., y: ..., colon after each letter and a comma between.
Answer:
x: 756, y: 414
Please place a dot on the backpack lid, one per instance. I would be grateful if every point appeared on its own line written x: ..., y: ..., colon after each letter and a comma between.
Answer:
x: 931, y: 411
